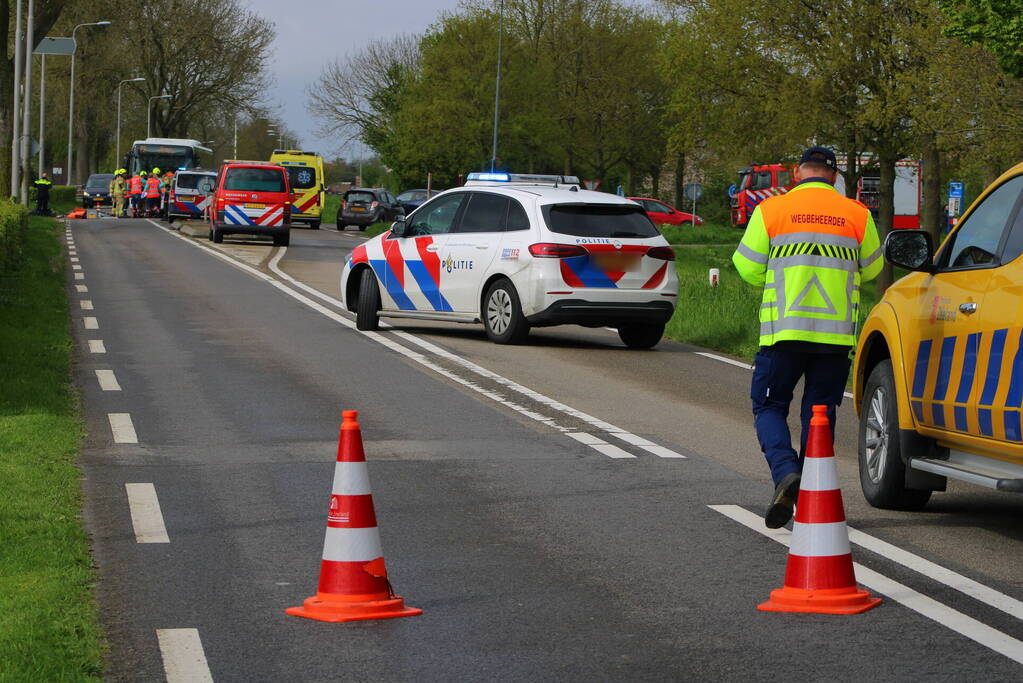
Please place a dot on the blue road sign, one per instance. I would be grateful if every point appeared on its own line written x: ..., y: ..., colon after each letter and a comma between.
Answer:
x: 955, y: 190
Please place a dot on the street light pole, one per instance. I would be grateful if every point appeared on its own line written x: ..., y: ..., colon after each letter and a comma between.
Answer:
x: 149, y: 112
x: 16, y: 127
x: 497, y: 88
x: 42, y: 111
x: 71, y: 101
x: 117, y: 146
x: 26, y: 123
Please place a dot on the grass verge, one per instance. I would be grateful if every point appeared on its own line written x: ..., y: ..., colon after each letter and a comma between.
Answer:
x: 48, y: 624
x: 725, y: 317
x: 708, y: 233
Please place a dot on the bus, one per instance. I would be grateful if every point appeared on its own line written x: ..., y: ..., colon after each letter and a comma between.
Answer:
x: 167, y: 154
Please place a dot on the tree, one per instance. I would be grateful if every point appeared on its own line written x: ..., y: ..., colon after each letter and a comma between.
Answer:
x: 995, y: 24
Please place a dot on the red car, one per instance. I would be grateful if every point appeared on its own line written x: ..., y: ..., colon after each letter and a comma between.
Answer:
x: 660, y: 212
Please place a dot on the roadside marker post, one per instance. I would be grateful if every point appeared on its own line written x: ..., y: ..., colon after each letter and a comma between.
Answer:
x: 820, y: 577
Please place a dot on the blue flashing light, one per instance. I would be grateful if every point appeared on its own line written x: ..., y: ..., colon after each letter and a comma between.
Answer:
x: 182, y: 168
x: 497, y: 177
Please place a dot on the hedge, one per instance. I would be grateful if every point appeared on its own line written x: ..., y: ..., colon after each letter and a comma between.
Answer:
x: 13, y: 230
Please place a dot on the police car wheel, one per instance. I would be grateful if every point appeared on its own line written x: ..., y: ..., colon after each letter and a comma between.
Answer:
x: 641, y: 336
x: 882, y: 470
x: 502, y: 314
x: 367, y: 307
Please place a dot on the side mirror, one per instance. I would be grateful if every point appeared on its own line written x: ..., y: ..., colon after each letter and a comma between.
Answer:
x: 398, y: 227
x: 206, y: 187
x: 910, y: 249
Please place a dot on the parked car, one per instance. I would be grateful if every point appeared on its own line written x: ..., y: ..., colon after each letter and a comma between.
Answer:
x: 660, y: 212
x: 96, y: 191
x: 363, y: 206
x: 411, y: 200
x: 249, y: 198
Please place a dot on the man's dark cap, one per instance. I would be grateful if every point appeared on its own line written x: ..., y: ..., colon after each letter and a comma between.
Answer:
x: 820, y: 155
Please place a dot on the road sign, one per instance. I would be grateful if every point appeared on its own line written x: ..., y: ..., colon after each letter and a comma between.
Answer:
x: 954, y: 205
x: 955, y: 190
x: 57, y: 170
x: 591, y: 184
x: 694, y: 191
x: 55, y: 46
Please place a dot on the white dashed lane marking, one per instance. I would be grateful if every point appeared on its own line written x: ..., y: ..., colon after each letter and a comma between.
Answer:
x: 96, y: 346
x: 183, y: 658
x: 76, y: 267
x: 74, y: 259
x: 122, y: 428
x: 107, y: 380
x: 91, y: 323
x: 79, y: 276
x: 977, y: 631
x: 86, y: 304
x: 82, y: 289
x: 146, y: 518
x: 599, y: 445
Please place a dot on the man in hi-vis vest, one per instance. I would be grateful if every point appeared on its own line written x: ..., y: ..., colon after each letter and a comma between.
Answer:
x: 809, y: 249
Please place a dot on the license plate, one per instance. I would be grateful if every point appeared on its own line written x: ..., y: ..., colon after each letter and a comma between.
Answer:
x: 358, y: 208
x: 254, y: 205
x: 616, y: 261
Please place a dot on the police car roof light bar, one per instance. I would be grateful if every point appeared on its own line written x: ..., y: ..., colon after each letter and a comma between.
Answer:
x: 521, y: 178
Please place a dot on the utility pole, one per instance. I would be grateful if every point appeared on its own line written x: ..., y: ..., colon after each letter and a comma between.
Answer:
x: 19, y: 44
x: 71, y: 101
x: 497, y: 89
x: 117, y: 146
x: 235, y: 136
x: 26, y: 123
x: 42, y: 111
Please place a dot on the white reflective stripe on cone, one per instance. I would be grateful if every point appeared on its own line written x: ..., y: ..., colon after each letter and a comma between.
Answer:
x: 819, y: 474
x: 352, y: 545
x: 351, y: 479
x: 819, y: 540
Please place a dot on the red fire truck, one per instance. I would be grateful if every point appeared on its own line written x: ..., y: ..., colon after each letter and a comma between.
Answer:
x: 760, y: 181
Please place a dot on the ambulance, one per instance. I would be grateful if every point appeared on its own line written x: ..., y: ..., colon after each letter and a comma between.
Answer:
x: 305, y: 173
x: 938, y: 371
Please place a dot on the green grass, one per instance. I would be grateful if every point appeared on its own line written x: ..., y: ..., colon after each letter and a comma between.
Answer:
x: 62, y: 199
x: 724, y: 318
x: 708, y: 233
x: 48, y: 624
x: 330, y: 206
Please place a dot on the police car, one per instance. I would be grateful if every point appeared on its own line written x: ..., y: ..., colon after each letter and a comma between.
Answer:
x: 514, y: 252
x: 939, y: 366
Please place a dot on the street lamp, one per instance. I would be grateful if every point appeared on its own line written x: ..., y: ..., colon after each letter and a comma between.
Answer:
x: 497, y: 90
x: 71, y: 103
x: 117, y: 147
x: 149, y: 112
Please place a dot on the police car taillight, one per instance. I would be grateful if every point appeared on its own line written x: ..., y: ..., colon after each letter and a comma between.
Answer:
x: 554, y: 250
x: 662, y: 253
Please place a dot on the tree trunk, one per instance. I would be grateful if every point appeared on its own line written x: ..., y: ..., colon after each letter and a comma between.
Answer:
x: 886, y: 212
x: 655, y: 181
x: 680, y: 173
x: 931, y: 215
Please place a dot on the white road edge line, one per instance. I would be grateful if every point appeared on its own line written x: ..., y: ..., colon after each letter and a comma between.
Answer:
x: 183, y: 658
x: 739, y: 364
x: 146, y: 518
x: 122, y: 428
x: 96, y: 346
x: 932, y: 609
x: 107, y: 380
x: 599, y: 445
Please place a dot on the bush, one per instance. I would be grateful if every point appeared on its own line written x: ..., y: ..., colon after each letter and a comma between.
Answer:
x: 13, y: 230
x: 62, y: 198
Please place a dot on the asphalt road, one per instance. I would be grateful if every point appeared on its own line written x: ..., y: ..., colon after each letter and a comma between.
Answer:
x: 535, y: 554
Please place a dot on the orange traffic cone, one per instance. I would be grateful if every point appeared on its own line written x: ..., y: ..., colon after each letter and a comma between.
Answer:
x: 353, y: 579
x: 819, y: 577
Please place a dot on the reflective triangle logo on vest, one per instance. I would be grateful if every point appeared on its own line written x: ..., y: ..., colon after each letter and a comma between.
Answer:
x: 813, y: 299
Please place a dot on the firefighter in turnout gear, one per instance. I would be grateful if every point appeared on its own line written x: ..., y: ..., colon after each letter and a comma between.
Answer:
x: 135, y: 193
x: 117, y: 190
x: 809, y: 249
x: 152, y: 193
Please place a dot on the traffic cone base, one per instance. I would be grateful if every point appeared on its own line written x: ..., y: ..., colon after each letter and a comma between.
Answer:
x: 337, y: 608
x: 821, y: 601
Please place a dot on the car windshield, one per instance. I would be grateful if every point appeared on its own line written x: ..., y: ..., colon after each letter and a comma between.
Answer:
x: 99, y: 182
x: 255, y: 180
x: 189, y: 181
x: 301, y: 177
x: 360, y: 197
x: 599, y: 220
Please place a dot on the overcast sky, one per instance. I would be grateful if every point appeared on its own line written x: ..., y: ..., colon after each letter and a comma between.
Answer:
x: 314, y: 32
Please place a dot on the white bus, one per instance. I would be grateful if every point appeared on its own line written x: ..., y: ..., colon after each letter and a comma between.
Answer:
x: 167, y: 154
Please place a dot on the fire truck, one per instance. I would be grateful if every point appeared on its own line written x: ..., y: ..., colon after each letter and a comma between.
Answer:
x: 760, y: 181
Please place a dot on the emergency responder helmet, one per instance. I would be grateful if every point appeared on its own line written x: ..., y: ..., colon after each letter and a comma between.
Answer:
x: 156, y: 171
x: 142, y: 173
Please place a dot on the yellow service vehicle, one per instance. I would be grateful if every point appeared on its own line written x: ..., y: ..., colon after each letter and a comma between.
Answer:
x: 939, y: 366
x: 305, y: 173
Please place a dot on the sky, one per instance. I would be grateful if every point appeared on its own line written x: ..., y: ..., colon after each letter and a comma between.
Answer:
x: 315, y: 32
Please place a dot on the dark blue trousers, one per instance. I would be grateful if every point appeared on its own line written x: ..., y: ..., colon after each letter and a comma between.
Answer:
x: 776, y: 371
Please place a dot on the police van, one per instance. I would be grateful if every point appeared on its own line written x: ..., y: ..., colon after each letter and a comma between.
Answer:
x: 305, y: 175
x: 939, y: 365
x: 515, y: 252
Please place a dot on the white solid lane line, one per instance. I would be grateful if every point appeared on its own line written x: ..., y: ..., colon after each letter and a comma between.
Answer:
x: 82, y: 289
x: 183, y: 658
x: 599, y: 445
x: 91, y: 323
x: 107, y: 380
x: 86, y: 304
x: 122, y: 428
x: 146, y: 518
x: 932, y: 609
x: 96, y: 346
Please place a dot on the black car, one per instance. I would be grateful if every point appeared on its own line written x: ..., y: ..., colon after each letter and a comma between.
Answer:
x: 363, y: 206
x: 411, y: 200
x: 96, y: 191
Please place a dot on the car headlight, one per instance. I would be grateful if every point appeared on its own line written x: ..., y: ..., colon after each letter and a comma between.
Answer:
x: 86, y: 194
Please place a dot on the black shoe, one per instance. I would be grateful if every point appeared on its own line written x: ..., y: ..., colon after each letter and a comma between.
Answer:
x: 785, y: 495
